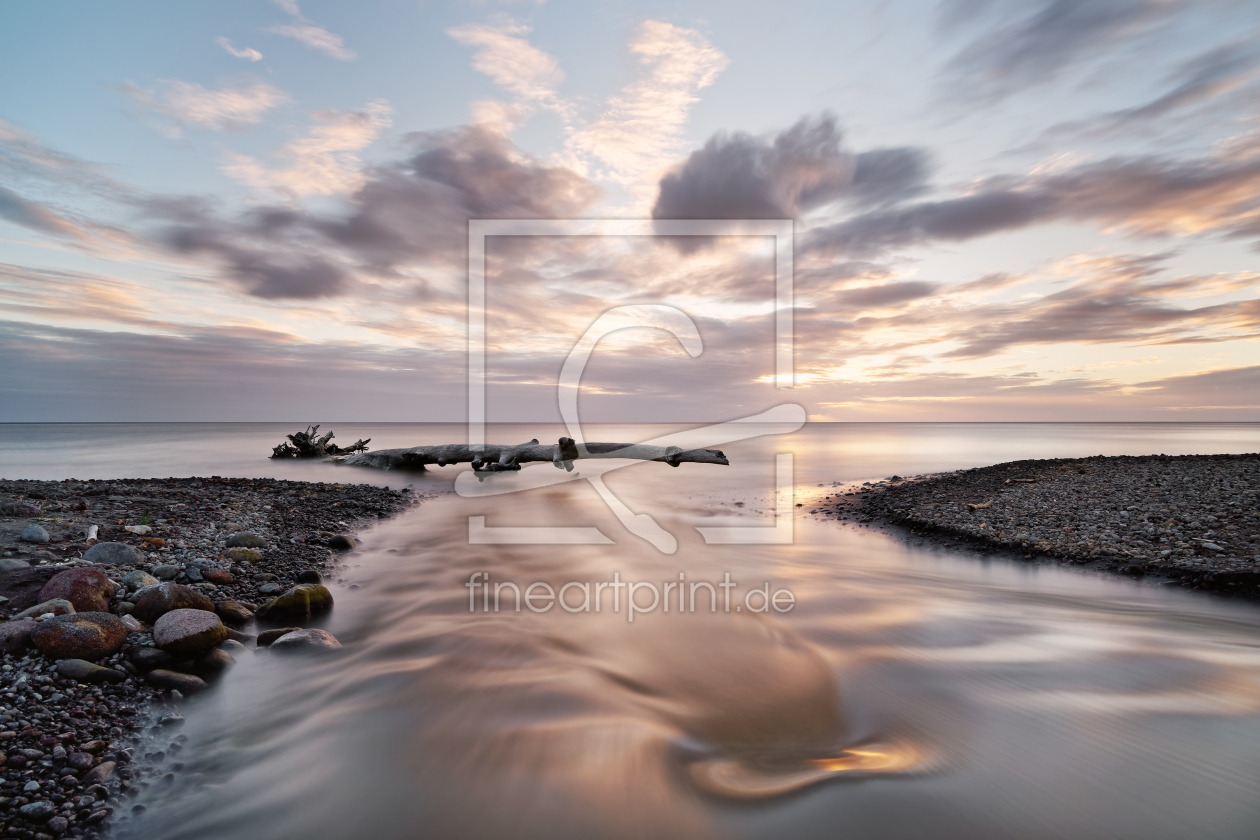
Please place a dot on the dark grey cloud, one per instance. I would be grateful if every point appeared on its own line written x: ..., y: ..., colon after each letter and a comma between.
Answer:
x: 1219, y: 82
x: 1020, y: 44
x: 1145, y: 196
x: 738, y: 176
x: 28, y: 214
x: 889, y: 176
x: 416, y: 210
x: 885, y: 294
x: 1116, y: 300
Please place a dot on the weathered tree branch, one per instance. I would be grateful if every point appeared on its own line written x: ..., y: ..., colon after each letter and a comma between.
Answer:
x: 495, y: 457
x: 306, y: 445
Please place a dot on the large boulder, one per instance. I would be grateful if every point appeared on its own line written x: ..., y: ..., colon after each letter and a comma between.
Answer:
x: 88, y: 589
x: 187, y: 632
x: 16, y: 635
x: 82, y: 635
x: 22, y: 586
x: 57, y: 606
x: 165, y: 597
x: 246, y: 540
x: 306, y: 641
x: 113, y: 554
x: 80, y: 670
x: 299, y: 605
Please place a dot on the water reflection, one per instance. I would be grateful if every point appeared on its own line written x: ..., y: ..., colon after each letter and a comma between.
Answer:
x: 908, y: 693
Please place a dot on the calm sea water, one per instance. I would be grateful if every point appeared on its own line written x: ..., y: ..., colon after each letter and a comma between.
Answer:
x: 910, y: 692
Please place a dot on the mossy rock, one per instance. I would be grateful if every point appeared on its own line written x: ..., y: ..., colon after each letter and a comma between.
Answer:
x: 243, y: 555
x: 299, y: 605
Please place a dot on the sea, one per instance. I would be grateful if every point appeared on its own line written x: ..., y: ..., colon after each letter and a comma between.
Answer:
x: 630, y: 650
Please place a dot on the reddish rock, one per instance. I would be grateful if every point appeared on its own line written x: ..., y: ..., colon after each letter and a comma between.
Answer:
x: 221, y: 577
x: 83, y: 635
x: 165, y: 597
x: 175, y: 681
x: 88, y: 589
x: 185, y: 632
x: 15, y: 635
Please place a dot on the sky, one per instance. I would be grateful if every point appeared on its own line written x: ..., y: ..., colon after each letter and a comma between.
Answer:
x: 1002, y: 210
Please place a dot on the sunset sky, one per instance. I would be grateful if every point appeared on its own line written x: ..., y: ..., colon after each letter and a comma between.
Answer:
x: 1004, y: 210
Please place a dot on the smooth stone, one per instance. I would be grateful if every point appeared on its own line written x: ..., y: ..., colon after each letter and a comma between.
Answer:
x: 56, y: 606
x: 8, y: 564
x: 243, y: 555
x: 16, y: 635
x: 84, y: 635
x: 233, y: 647
x: 80, y: 670
x: 113, y: 554
x: 297, y: 606
x: 138, y: 530
x: 138, y: 580
x: 101, y: 773
x: 269, y: 589
x: 266, y: 637
x: 34, y: 534
x: 166, y: 571
x: 184, y: 631
x: 169, y: 596
x: 88, y: 589
x: 309, y: 576
x: 306, y: 641
x: 132, y: 624
x: 147, y: 658
x: 221, y: 577
x: 212, y: 663
x: 81, y: 761
x: 234, y: 612
x: 246, y: 539
x: 175, y: 681
x: 40, y: 811
x: 121, y: 608
x: 238, y: 636
x: 343, y: 542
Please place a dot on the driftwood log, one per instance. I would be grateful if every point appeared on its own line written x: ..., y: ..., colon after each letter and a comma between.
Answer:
x: 495, y: 457
x: 307, y: 445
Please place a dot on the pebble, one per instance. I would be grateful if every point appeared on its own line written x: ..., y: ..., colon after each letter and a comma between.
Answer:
x: 34, y: 534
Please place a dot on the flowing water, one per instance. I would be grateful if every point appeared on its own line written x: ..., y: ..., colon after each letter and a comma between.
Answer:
x: 908, y: 692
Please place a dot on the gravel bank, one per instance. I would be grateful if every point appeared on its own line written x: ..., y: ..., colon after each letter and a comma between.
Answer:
x: 198, y: 556
x: 1193, y: 520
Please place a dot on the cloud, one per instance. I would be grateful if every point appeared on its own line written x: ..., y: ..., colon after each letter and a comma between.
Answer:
x: 246, y: 52
x: 1118, y: 300
x: 19, y: 211
x: 412, y: 212
x: 1217, y: 78
x: 189, y: 104
x: 323, y: 162
x: 314, y: 36
x: 639, y: 132
x: 1018, y: 49
x: 1140, y: 196
x: 738, y: 176
x: 511, y: 61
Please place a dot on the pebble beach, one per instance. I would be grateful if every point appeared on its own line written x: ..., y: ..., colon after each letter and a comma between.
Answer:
x: 121, y: 599
x: 1189, y: 520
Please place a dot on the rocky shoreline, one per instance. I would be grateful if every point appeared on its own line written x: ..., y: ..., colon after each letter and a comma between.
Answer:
x: 1186, y: 520
x: 121, y: 598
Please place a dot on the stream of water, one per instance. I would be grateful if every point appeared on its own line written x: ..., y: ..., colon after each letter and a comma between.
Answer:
x: 906, y: 692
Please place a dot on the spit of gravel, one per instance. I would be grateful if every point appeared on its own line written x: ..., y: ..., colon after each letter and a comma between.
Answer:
x: 1193, y: 520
